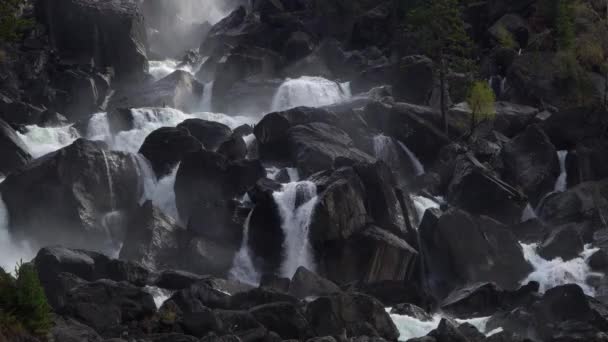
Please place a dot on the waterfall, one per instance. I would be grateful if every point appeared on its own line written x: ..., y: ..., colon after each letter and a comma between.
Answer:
x: 561, y: 184
x: 296, y: 203
x: 411, y: 327
x: 162, y: 69
x: 422, y: 204
x: 44, y: 140
x: 159, y: 295
x: 147, y: 120
x: 556, y: 272
x: 310, y: 92
x: 207, y: 96
x: 11, y: 251
x: 146, y: 176
x: 243, y: 269
x: 163, y: 196
x: 110, y: 182
x: 418, y: 167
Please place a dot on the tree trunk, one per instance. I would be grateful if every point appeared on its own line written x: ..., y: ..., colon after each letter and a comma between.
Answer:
x: 442, y: 100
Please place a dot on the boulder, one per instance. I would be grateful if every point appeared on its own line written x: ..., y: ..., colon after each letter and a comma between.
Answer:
x: 308, y: 284
x: 569, y: 127
x: 598, y: 261
x: 513, y: 118
x: 80, y: 92
x: 70, y: 330
x: 115, y: 28
x: 371, y: 255
x: 314, y: 147
x: 412, y: 310
x: 275, y: 282
x: 472, y: 181
x: 394, y: 292
x: 285, y: 319
x: 585, y: 163
x: 178, y: 90
x: 234, y: 148
x: 14, y: 152
x: 166, y: 146
x: 176, y: 280
x: 211, y: 134
x: 414, y: 82
x: 81, y: 194
x: 531, y: 161
x: 17, y: 113
x: 250, y: 298
x: 563, y: 242
x: 448, y: 331
x: 154, y: 239
x: 372, y: 27
x: 583, y: 203
x: 491, y: 252
x: 332, y: 315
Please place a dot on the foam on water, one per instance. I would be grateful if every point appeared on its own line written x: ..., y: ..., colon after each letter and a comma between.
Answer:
x: 243, y: 268
x: 147, y: 120
x: 422, y: 204
x: 310, y: 92
x: 410, y: 327
x: 11, y: 251
x: 159, y: 295
x: 44, y: 140
x: 296, y: 203
x: 556, y: 272
x: 562, y: 181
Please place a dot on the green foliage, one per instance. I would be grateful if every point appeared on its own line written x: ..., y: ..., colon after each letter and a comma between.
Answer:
x: 564, y: 24
x: 574, y: 78
x: 505, y: 38
x: 481, y: 100
x: 11, y: 25
x: 440, y: 30
x: 23, y: 302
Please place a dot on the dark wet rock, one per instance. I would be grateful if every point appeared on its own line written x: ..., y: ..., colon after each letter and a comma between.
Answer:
x: 472, y: 181
x: 79, y: 193
x: 315, y: 147
x: 448, y: 331
x: 201, y: 322
x: 241, y: 324
x: 211, y: 134
x: 415, y: 80
x: 234, y: 148
x: 286, y: 319
x: 308, y: 284
x: 166, y: 146
x: 586, y: 163
x: 484, y: 299
x: 563, y: 242
x: 69, y: 330
x: 104, y: 304
x: 334, y: 314
x: 176, y: 280
x: 569, y: 127
x: 491, y: 252
x: 531, y: 161
x: 51, y: 118
x: 583, y: 203
x: 179, y: 90
x: 394, y: 292
x: 412, y: 310
x: 17, y: 113
x: 171, y: 337
x: 275, y: 282
x: 248, y: 299
x: 530, y: 231
x: 513, y: 118
x: 14, y: 152
x: 115, y: 28
x: 120, y: 119
x: 153, y: 239
x: 599, y: 261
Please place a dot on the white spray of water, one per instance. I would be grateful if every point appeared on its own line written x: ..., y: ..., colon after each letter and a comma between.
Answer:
x: 147, y: 177
x: 44, y: 140
x: 561, y: 184
x: 163, y: 196
x: 310, y: 92
x: 243, y: 269
x: 207, y: 97
x: 11, y: 251
x: 528, y: 213
x: 147, y: 120
x: 410, y: 327
x: 418, y: 167
x: 109, y: 178
x: 159, y: 295
x: 556, y: 272
x: 296, y: 203
x: 161, y: 69
x: 422, y: 204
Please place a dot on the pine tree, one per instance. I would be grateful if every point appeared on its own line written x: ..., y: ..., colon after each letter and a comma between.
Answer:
x: 481, y: 100
x: 11, y: 25
x: 441, y: 33
x: 32, y: 307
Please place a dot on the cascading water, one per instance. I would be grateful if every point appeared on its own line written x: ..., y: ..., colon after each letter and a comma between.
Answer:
x: 418, y: 167
x: 44, y: 140
x: 146, y: 176
x: 310, y: 92
x: 11, y: 251
x: 556, y: 272
x: 422, y: 204
x: 410, y: 327
x: 161, y: 69
x: 561, y: 184
x: 159, y: 295
x: 163, y: 196
x: 110, y: 182
x: 243, y: 269
x: 296, y: 203
x: 207, y: 97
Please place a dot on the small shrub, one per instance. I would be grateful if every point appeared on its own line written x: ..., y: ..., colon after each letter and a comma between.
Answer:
x: 481, y: 100
x: 505, y: 38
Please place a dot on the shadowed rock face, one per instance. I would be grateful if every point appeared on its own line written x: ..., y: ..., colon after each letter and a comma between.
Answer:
x: 15, y: 153
x: 107, y: 33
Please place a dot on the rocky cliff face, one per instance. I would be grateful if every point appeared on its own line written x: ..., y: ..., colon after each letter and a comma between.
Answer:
x: 266, y: 170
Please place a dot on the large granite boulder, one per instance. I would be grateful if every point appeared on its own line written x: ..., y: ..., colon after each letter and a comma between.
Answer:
x: 14, y: 152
